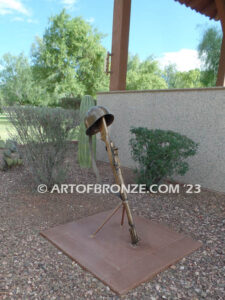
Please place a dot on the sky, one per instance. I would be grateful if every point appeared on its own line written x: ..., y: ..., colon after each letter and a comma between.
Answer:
x: 164, y: 29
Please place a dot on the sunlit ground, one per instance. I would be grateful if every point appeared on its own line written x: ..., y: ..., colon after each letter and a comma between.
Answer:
x: 6, y: 129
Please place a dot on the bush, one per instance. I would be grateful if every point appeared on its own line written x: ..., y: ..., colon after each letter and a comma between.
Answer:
x: 160, y: 154
x: 45, y: 133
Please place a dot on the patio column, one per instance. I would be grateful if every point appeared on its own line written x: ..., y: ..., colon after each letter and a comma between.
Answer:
x: 120, y: 41
x: 220, y: 4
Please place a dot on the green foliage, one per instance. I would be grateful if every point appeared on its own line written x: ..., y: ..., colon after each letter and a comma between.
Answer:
x: 67, y: 63
x: 169, y: 74
x: 70, y: 103
x: 144, y: 75
x: 9, y: 155
x: 70, y: 57
x: 180, y: 80
x: 16, y: 80
x: 159, y: 154
x: 209, y: 53
x: 45, y: 134
x: 84, y: 156
x: 17, y: 85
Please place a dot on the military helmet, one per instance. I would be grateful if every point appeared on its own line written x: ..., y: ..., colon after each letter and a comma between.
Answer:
x: 93, y: 117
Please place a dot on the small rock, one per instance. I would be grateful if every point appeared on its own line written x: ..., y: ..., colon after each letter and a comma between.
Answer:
x: 196, y: 273
x: 173, y: 267
x: 198, y: 290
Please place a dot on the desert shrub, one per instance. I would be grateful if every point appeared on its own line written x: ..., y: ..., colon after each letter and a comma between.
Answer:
x: 159, y: 154
x: 45, y: 133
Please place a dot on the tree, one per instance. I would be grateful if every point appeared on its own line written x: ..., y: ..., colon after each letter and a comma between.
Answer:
x: 16, y: 82
x: 144, y: 75
x: 189, y: 79
x: 70, y: 57
x: 170, y: 76
x: 180, y: 80
x: 209, y: 53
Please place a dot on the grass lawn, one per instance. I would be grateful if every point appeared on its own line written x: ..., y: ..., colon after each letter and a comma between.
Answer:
x: 5, y: 126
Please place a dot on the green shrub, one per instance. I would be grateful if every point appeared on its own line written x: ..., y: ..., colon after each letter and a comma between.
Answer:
x: 45, y: 133
x: 160, y: 154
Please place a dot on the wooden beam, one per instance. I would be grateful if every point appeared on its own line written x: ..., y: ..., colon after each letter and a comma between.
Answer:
x: 120, y: 41
x: 210, y: 9
x: 221, y: 70
x: 220, y: 4
x: 198, y: 4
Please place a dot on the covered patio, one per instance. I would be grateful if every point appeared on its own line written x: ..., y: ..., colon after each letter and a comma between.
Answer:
x: 214, y: 9
x: 197, y: 113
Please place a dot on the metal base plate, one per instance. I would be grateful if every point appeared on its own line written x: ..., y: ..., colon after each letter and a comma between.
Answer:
x: 110, y: 256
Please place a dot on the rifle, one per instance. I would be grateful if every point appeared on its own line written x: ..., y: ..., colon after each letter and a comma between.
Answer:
x: 99, y: 117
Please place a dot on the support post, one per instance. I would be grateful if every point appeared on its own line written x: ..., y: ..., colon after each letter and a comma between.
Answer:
x: 120, y: 41
x: 221, y: 70
x: 220, y: 4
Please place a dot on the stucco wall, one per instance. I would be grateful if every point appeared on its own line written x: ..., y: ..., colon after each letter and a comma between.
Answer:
x: 196, y: 113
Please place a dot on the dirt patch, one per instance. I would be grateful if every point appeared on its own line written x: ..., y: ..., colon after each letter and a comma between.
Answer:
x: 34, y: 269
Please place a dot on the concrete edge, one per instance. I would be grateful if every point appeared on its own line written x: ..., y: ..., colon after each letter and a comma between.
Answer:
x: 162, y: 91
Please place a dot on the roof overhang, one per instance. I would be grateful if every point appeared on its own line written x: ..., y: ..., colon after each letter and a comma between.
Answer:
x: 205, y: 7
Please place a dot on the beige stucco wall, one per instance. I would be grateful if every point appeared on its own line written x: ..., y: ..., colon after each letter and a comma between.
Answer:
x: 196, y: 113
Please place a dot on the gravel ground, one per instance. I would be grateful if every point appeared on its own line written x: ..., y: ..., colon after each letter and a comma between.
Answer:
x: 32, y: 268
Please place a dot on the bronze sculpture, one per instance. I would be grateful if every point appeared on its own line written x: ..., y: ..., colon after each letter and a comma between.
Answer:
x: 97, y: 120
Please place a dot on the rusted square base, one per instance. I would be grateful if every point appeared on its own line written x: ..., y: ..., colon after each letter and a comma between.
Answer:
x: 110, y: 256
